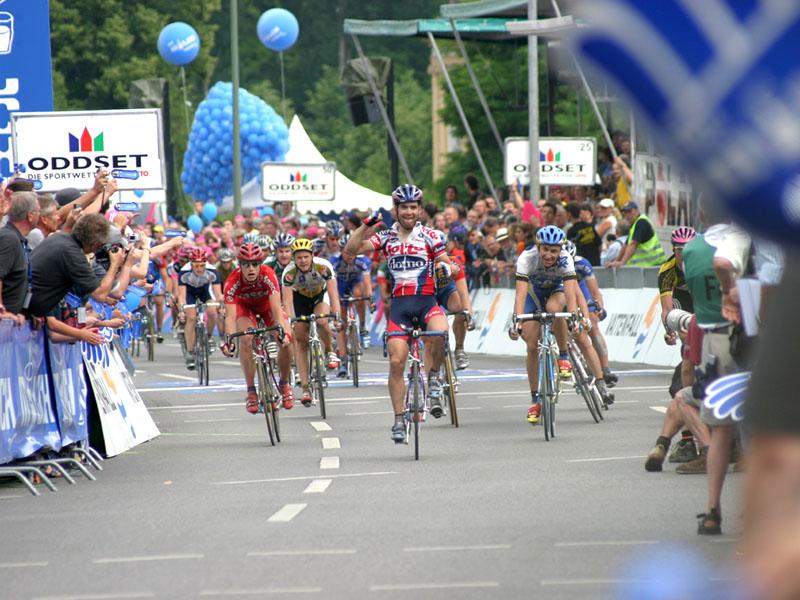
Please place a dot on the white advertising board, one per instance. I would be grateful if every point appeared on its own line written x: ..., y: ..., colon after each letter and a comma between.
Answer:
x: 65, y: 149
x: 292, y: 182
x: 562, y: 161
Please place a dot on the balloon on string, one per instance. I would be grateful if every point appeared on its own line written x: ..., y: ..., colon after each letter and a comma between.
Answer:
x: 195, y: 223
x: 209, y: 211
x: 278, y: 29
x: 178, y: 43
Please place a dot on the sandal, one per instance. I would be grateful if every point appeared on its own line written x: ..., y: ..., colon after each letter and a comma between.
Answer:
x: 709, y: 523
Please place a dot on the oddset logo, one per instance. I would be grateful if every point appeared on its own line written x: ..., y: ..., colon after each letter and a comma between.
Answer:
x: 86, y: 143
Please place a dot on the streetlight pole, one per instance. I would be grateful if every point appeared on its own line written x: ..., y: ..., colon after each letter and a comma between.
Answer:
x: 237, y: 147
x: 533, y: 107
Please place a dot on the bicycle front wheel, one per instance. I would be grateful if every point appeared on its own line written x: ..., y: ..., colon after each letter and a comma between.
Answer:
x: 264, y: 397
x: 353, y: 343
x: 416, y: 406
x: 318, y: 367
x: 276, y: 397
x: 549, y: 399
x: 583, y: 382
x: 450, y: 385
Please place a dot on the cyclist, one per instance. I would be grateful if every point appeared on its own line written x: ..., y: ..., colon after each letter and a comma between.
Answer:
x: 546, y: 281
x: 157, y: 277
x: 265, y: 243
x: 333, y: 232
x: 305, y: 282
x: 282, y: 245
x: 352, y: 279
x: 252, y: 290
x: 595, y: 310
x: 413, y: 253
x: 319, y: 246
x: 456, y: 239
x: 226, y: 264
x: 197, y: 281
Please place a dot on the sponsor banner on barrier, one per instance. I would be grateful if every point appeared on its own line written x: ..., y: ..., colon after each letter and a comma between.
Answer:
x: 27, y: 419
x: 124, y: 418
x: 65, y: 149
x: 492, y: 310
x: 70, y: 389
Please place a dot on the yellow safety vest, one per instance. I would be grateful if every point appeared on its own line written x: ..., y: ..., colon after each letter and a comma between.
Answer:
x: 648, y: 254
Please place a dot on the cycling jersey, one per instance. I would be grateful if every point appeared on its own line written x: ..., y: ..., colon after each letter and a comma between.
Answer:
x: 350, y: 274
x: 671, y: 280
x: 198, y: 287
x: 410, y: 262
x: 272, y: 263
x: 584, y: 271
x: 252, y: 298
x: 531, y: 269
x: 309, y: 284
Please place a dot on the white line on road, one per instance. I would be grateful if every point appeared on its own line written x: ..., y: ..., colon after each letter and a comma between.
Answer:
x: 303, y: 552
x: 592, y: 581
x: 181, y: 377
x: 604, y: 458
x: 331, y: 443
x: 329, y: 462
x: 23, y: 565
x: 659, y: 409
x: 457, y: 548
x: 287, y: 513
x: 191, y: 410
x: 317, y: 486
x: 605, y: 543
x: 211, y: 420
x: 263, y: 592
x: 398, y: 587
x: 320, y: 426
x: 10, y: 496
x: 302, y: 478
x: 103, y: 596
x: 154, y: 558
x: 225, y: 405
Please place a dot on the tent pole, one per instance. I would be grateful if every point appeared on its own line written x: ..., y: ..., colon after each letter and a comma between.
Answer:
x: 477, y: 87
x: 376, y: 93
x: 461, y: 114
x: 589, y: 93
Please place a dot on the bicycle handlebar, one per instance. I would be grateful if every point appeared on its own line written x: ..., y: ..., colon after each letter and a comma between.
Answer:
x: 415, y: 332
x: 310, y: 318
x: 259, y: 331
x: 542, y: 315
x: 349, y: 299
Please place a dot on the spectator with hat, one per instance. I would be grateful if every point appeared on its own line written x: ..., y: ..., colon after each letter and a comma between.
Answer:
x: 606, y: 220
x: 643, y: 248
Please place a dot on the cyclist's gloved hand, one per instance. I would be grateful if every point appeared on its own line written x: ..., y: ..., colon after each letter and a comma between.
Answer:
x: 373, y: 219
x: 601, y: 313
x: 443, y: 272
x: 228, y: 348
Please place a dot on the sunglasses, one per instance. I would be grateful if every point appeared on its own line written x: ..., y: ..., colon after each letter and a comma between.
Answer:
x: 250, y: 264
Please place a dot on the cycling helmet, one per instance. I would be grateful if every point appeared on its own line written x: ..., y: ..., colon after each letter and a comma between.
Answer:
x: 343, y: 240
x: 550, y: 236
x: 264, y: 242
x: 319, y: 245
x: 225, y: 255
x: 302, y: 245
x: 682, y: 235
x: 251, y: 238
x: 185, y: 251
x: 407, y: 193
x: 570, y: 247
x: 283, y: 240
x: 334, y: 229
x: 457, y: 234
x: 250, y: 252
x: 198, y: 255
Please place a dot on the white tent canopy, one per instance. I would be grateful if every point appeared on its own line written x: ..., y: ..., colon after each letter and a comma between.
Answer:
x: 348, y: 194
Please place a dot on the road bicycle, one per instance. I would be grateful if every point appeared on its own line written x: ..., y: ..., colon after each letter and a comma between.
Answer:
x: 450, y: 383
x: 202, y: 350
x: 317, y: 371
x: 549, y: 381
x: 585, y: 383
x: 145, y: 331
x: 353, y: 334
x: 265, y: 355
x: 415, y: 409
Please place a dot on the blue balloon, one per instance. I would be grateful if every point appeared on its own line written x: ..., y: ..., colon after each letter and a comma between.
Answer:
x: 209, y: 211
x: 178, y: 43
x: 195, y: 223
x: 278, y: 29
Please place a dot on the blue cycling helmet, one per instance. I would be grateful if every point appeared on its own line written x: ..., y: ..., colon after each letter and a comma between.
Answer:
x: 407, y: 193
x: 343, y: 240
x: 458, y: 234
x: 283, y: 240
x: 570, y: 247
x: 319, y: 246
x: 334, y: 228
x: 550, y: 236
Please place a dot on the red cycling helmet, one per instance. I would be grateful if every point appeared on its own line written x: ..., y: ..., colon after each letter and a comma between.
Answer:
x: 198, y: 255
x: 683, y: 235
x: 250, y: 252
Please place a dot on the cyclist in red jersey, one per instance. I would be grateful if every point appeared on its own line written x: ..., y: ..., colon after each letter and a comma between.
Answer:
x: 252, y: 290
x: 413, y: 252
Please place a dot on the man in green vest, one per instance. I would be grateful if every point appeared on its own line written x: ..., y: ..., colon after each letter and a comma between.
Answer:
x: 643, y: 248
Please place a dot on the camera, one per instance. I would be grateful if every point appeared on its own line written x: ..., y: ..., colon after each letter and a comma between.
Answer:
x: 678, y: 320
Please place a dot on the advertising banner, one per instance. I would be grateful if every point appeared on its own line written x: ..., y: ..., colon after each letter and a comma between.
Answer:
x: 123, y: 416
x: 65, y: 149
x: 27, y: 421
x: 291, y: 182
x: 562, y: 161
x: 70, y: 391
x: 26, y: 82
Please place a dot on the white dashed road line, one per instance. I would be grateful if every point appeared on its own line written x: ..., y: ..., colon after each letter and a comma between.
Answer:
x: 181, y: 377
x: 606, y: 543
x: 329, y: 462
x: 661, y: 409
x: 104, y: 596
x: 320, y: 426
x: 317, y: 486
x: 433, y: 586
x: 287, y: 513
x: 263, y: 592
x: 331, y: 443
x: 604, y: 458
x: 333, y: 551
x: 458, y: 548
x: 23, y: 565
x: 153, y: 558
x: 302, y: 478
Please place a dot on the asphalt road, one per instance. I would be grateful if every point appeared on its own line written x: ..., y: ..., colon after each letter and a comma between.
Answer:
x: 337, y: 510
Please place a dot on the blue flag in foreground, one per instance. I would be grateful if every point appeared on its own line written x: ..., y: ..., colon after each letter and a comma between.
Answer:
x: 719, y: 83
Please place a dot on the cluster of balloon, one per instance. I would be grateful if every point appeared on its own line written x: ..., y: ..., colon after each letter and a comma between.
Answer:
x: 178, y: 43
x: 208, y: 161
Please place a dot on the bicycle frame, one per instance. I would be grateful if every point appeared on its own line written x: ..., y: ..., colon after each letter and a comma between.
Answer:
x: 317, y: 378
x: 353, y: 333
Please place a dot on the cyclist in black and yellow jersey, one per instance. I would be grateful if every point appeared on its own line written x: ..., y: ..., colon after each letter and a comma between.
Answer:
x: 304, y: 284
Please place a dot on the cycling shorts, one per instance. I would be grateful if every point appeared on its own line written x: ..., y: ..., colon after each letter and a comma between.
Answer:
x: 412, y: 311
x: 443, y: 294
x: 346, y: 287
x: 304, y: 306
x: 536, y: 300
x: 251, y: 311
x: 195, y: 295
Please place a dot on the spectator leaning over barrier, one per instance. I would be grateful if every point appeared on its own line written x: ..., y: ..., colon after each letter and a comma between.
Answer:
x: 15, y: 185
x: 49, y: 220
x: 23, y: 215
x: 643, y: 248
x: 59, y: 264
